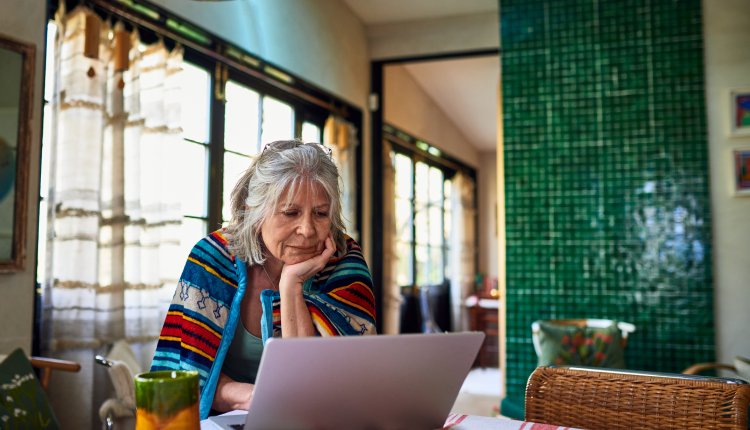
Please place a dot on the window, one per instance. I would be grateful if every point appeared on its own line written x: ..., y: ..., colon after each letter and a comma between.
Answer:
x: 278, y: 120
x: 252, y: 120
x: 404, y: 217
x: 242, y: 118
x: 311, y: 132
x: 44, y: 177
x: 422, y: 221
x: 192, y: 155
x: 145, y: 158
x: 430, y: 220
x: 220, y: 133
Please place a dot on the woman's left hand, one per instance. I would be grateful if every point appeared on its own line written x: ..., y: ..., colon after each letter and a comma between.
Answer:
x: 296, y: 274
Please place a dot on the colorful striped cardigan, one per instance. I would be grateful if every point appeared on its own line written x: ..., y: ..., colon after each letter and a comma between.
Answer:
x: 205, y: 309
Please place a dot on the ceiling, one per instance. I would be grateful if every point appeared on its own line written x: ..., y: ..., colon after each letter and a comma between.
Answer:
x: 465, y: 88
x: 388, y: 11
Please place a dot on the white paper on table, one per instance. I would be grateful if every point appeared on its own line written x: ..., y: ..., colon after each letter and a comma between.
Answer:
x: 234, y: 420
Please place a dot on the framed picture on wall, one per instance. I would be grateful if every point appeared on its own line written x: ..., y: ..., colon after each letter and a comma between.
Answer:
x: 740, y: 111
x: 742, y: 172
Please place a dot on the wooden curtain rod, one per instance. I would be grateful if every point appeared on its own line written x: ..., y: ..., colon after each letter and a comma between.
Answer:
x: 111, y: 7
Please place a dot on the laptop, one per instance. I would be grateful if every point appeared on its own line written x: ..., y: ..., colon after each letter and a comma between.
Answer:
x: 406, y: 381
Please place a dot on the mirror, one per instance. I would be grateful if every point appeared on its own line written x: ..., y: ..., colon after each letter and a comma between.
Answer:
x: 16, y: 92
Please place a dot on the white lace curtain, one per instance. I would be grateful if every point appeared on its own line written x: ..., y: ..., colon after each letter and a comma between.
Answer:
x: 463, y: 248
x: 341, y: 136
x: 391, y: 290
x: 114, y: 217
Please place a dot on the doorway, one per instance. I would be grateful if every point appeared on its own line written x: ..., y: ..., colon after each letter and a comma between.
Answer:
x: 445, y: 104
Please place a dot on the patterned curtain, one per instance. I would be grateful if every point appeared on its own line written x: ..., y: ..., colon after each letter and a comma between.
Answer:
x: 342, y: 138
x: 112, y: 250
x: 463, y: 248
x: 391, y: 291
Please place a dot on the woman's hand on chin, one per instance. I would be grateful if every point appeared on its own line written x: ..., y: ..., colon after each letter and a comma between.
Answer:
x: 294, y: 275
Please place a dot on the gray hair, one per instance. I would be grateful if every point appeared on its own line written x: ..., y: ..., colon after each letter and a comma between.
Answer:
x: 282, y: 165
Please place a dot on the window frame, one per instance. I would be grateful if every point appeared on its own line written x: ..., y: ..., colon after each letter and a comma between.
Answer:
x: 420, y: 150
x: 448, y: 174
x: 444, y: 247
x: 216, y: 55
x: 304, y: 111
x: 224, y: 60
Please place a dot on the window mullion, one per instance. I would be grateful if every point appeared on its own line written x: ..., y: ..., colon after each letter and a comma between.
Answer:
x: 216, y: 158
x: 444, y: 243
x: 414, y: 264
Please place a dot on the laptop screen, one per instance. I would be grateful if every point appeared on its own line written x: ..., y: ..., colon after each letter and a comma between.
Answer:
x: 359, y: 382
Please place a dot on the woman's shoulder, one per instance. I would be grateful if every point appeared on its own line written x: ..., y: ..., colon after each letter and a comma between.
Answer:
x: 215, y: 244
x: 351, y: 246
x: 351, y: 243
x: 346, y: 269
x: 351, y: 254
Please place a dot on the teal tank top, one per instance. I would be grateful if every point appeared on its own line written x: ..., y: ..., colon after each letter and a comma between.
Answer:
x: 243, y: 356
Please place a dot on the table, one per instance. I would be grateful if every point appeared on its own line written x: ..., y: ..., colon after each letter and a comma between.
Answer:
x: 473, y: 422
x: 454, y: 422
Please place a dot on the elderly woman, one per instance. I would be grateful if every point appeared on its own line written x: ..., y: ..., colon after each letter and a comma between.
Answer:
x: 283, y: 267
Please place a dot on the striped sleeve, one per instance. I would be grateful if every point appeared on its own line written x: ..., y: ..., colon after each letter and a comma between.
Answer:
x: 199, y: 310
x: 340, y: 298
x: 345, y: 303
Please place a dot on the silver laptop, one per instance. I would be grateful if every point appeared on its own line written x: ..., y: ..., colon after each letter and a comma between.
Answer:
x: 358, y: 382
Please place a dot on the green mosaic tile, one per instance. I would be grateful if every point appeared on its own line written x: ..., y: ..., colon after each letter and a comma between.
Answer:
x: 606, y: 175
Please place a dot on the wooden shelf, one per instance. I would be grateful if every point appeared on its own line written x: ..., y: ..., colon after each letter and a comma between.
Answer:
x: 484, y: 317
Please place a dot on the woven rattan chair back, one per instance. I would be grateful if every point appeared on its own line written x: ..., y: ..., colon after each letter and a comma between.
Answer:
x: 595, y: 398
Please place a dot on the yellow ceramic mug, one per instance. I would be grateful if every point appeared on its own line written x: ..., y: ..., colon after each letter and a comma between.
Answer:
x: 167, y: 399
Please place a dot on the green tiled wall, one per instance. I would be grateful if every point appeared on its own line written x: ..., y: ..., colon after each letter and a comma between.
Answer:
x: 606, y: 175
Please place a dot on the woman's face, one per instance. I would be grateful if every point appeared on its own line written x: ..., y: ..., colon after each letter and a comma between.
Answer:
x: 297, y: 228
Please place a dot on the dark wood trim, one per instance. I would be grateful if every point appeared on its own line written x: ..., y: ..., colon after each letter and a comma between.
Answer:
x: 376, y: 206
x: 217, y: 108
x: 442, y: 56
x: 358, y: 178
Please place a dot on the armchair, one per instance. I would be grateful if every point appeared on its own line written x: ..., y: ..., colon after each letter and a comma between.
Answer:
x: 741, y: 368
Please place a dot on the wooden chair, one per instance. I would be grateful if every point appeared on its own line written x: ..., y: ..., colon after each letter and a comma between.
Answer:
x: 24, y: 382
x: 47, y: 365
x: 597, y: 398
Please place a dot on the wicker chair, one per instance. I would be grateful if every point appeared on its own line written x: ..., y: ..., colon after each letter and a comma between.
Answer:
x: 596, y: 398
x: 740, y: 368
